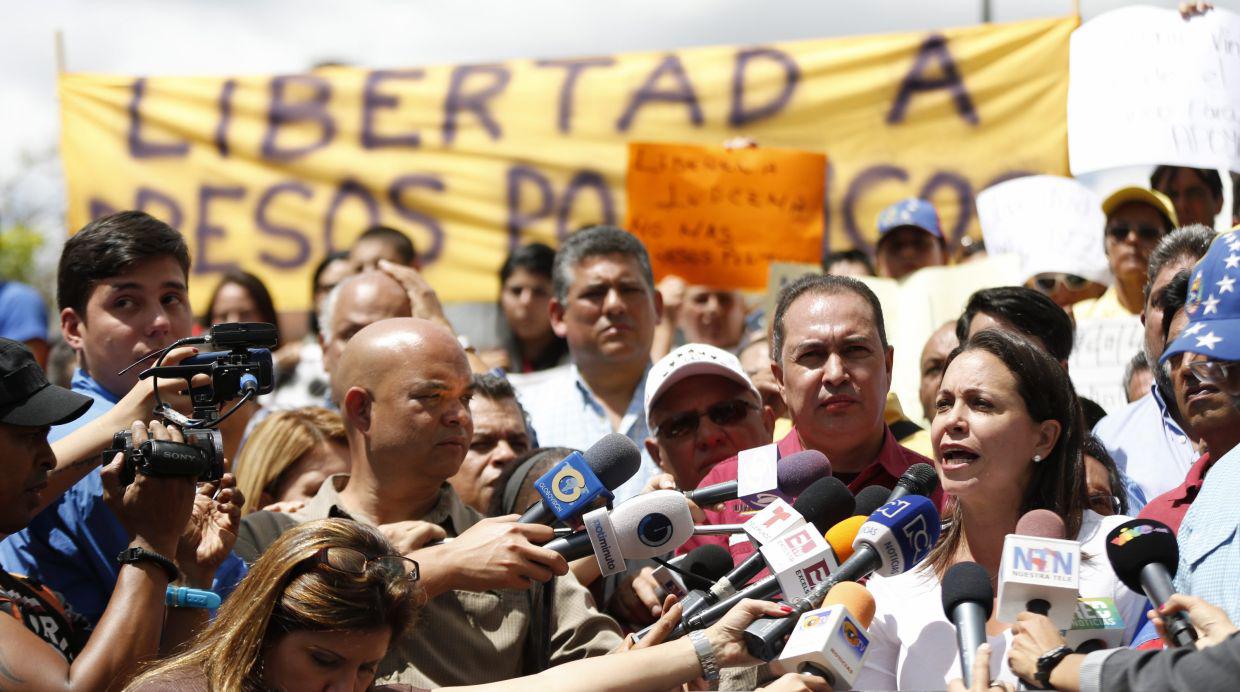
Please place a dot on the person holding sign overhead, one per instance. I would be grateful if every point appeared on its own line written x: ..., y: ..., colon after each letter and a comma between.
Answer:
x: 1137, y: 219
x: 909, y: 238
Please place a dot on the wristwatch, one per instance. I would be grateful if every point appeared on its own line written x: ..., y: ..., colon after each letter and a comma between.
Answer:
x: 1047, y: 663
x: 705, y: 654
x: 131, y: 555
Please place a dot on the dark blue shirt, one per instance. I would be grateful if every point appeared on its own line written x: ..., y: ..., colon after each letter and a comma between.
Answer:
x: 71, y: 546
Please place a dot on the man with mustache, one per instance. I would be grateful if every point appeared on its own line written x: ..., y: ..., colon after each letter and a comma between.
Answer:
x: 606, y: 307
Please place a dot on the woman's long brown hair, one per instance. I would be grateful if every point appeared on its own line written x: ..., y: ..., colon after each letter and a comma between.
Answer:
x: 1058, y: 481
x: 282, y: 595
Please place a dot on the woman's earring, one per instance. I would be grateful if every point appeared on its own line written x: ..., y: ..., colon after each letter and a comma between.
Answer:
x: 1037, y: 458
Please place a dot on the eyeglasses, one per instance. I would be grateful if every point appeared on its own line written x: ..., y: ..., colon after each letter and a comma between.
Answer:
x: 1212, y: 371
x: 1047, y: 283
x: 723, y: 413
x: 350, y: 561
x: 1147, y: 234
x: 1106, y: 505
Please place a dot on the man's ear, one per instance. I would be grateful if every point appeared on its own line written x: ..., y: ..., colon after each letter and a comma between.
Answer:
x: 71, y: 324
x: 658, y: 304
x: 556, y: 312
x: 889, y: 359
x: 653, y: 450
x: 355, y: 406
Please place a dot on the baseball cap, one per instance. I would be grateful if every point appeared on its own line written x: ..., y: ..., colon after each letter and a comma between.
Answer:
x: 1213, y: 303
x: 914, y: 212
x: 1154, y: 198
x: 26, y: 397
x: 690, y: 360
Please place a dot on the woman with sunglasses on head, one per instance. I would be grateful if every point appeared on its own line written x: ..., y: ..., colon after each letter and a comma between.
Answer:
x: 320, y: 607
x: 1064, y: 288
x: 1137, y: 219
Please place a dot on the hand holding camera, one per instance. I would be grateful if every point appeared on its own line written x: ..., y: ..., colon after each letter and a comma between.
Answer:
x: 153, y: 509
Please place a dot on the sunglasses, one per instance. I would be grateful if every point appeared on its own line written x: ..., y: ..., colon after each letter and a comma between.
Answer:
x: 1106, y: 505
x: 355, y: 562
x: 724, y: 413
x: 1212, y: 371
x: 1148, y: 234
x: 1049, y: 282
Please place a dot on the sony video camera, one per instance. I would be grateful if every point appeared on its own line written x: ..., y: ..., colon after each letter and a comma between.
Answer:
x: 241, y: 369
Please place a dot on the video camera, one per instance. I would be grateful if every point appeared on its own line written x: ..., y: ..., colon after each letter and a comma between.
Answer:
x: 243, y: 370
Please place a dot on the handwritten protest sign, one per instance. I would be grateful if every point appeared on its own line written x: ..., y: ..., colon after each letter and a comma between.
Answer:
x: 1100, y: 352
x: 269, y: 172
x: 719, y: 217
x: 1147, y: 87
x: 1052, y: 224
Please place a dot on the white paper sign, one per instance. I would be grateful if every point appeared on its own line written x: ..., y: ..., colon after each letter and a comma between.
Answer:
x: 1053, y: 224
x: 1147, y: 87
x: 1100, y: 353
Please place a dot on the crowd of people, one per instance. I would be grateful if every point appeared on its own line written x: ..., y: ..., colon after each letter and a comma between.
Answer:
x: 366, y: 531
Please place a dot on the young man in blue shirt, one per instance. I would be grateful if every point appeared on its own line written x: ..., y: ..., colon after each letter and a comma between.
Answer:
x: 122, y: 290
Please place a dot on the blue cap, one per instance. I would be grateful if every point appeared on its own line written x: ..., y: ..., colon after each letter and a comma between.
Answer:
x: 1213, y: 303
x: 914, y: 212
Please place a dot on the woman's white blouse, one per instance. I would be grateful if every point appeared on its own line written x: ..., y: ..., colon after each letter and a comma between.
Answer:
x: 913, y: 643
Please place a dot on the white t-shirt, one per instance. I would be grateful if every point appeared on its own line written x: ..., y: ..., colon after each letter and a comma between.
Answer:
x: 913, y: 643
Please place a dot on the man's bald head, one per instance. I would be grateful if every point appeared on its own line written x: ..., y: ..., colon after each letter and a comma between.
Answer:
x: 356, y: 302
x: 379, y: 349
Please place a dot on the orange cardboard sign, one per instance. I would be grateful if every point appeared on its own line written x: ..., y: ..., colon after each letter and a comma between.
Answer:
x: 719, y: 217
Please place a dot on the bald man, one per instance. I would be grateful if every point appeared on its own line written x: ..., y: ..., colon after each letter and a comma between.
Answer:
x: 359, y: 300
x: 933, y: 361
x: 404, y: 387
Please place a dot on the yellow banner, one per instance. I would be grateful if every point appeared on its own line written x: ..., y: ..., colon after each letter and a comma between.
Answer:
x: 269, y: 172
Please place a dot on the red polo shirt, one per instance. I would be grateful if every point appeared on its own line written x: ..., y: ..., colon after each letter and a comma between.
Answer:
x: 891, y: 463
x: 1171, y: 506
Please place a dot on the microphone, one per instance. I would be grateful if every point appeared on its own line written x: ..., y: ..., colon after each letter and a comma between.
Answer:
x: 581, y: 477
x: 706, y: 562
x: 871, y: 497
x: 1040, y: 571
x: 919, y: 479
x: 968, y: 600
x: 831, y: 642
x: 824, y: 503
x: 895, y: 537
x: 643, y: 527
x: 1144, y: 555
x: 794, y: 473
x: 1096, y: 625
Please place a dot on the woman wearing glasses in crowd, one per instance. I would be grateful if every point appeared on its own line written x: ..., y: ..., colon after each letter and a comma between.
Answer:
x: 1137, y: 219
x: 1007, y: 438
x: 319, y: 608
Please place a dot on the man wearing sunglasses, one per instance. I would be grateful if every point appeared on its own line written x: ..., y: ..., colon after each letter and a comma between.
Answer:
x: 1137, y: 219
x: 1205, y: 364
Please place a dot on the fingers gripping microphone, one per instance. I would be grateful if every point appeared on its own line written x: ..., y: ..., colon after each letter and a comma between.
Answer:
x: 895, y: 538
x: 968, y: 600
x: 824, y: 503
x: 581, y: 477
x: 831, y: 642
x: 1039, y: 570
x: 646, y: 526
x: 795, y: 473
x: 1144, y: 555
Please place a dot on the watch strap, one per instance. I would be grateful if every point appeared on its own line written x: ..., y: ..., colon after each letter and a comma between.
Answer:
x: 130, y: 556
x: 705, y: 654
x: 1047, y: 663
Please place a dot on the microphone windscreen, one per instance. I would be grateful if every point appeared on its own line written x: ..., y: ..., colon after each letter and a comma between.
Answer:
x: 920, y: 479
x: 825, y: 502
x: 798, y: 470
x: 871, y: 498
x: 1042, y: 523
x: 856, y: 598
x: 967, y: 582
x: 1134, y: 544
x: 652, y: 524
x: 842, y: 536
x: 710, y: 561
x: 614, y: 459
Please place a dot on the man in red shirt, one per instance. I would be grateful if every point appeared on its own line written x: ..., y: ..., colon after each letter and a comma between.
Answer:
x: 830, y: 355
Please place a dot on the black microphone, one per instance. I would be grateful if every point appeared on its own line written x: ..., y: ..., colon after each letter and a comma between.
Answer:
x: 762, y: 590
x: 824, y: 503
x: 795, y: 473
x: 1144, y: 555
x: 968, y: 599
x: 613, y: 460
x: 919, y: 479
x: 871, y: 498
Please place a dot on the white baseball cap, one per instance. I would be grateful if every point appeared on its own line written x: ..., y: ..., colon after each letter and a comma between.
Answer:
x: 690, y: 360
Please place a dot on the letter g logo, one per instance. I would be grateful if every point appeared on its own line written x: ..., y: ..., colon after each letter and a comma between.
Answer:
x: 568, y: 484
